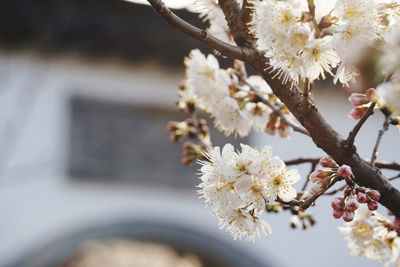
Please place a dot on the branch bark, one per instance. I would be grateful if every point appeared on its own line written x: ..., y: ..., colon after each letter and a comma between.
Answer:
x: 322, y: 134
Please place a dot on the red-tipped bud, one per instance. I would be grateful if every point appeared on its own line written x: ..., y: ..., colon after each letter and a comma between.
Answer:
x: 318, y: 175
x: 348, y: 216
x: 284, y: 131
x: 337, y: 214
x: 327, y: 162
x: 337, y: 203
x: 374, y: 195
x: 373, y: 205
x: 362, y: 198
x: 351, y: 204
x: 345, y: 171
x: 357, y: 113
x: 359, y: 99
x: 370, y: 92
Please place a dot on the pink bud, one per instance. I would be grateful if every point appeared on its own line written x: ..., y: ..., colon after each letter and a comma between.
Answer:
x: 357, y: 113
x: 284, y: 131
x: 318, y: 175
x: 348, y: 216
x: 374, y: 195
x: 359, y: 99
x: 361, y: 197
x: 337, y: 203
x: 370, y: 92
x: 373, y: 205
x: 317, y: 188
x: 351, y: 204
x: 345, y: 171
x: 337, y: 213
x: 327, y: 162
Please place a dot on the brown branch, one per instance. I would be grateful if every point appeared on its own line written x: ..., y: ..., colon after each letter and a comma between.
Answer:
x: 225, y: 49
x: 309, y: 201
x: 385, y: 127
x: 356, y: 129
x: 322, y: 134
x: 237, y: 20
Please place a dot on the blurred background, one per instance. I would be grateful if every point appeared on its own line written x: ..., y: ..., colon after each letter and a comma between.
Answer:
x: 88, y: 176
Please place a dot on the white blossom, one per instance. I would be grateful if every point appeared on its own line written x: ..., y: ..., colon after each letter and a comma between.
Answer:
x: 235, y: 185
x: 206, y: 80
x: 389, y: 95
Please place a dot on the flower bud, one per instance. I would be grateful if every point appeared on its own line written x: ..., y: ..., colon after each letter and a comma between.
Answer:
x: 317, y: 188
x: 351, y: 204
x: 361, y: 197
x: 327, y: 162
x: 359, y: 99
x: 337, y: 203
x: 284, y: 130
x: 357, y: 113
x: 374, y: 195
x: 318, y: 175
x: 337, y: 213
x: 327, y: 21
x: 348, y: 216
x: 373, y: 205
x: 345, y: 171
x: 370, y: 92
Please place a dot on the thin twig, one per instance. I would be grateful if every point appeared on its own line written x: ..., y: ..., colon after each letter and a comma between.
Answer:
x: 302, y: 160
x: 309, y: 201
x: 387, y: 165
x: 225, y: 49
x: 356, y: 129
x: 394, y: 177
x: 335, y: 191
x: 277, y: 110
x: 385, y: 127
x: 311, y: 8
x: 313, y: 166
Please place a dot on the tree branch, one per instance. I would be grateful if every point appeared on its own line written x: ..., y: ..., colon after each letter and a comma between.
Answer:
x: 385, y: 127
x: 356, y: 129
x: 244, y: 54
x: 322, y: 134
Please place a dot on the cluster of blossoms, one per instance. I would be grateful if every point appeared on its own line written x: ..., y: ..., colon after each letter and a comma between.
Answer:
x: 372, y: 236
x: 238, y: 185
x: 229, y: 96
x: 347, y: 205
x: 299, y: 48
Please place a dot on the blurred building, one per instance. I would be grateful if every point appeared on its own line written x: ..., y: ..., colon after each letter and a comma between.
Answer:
x: 87, y: 87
